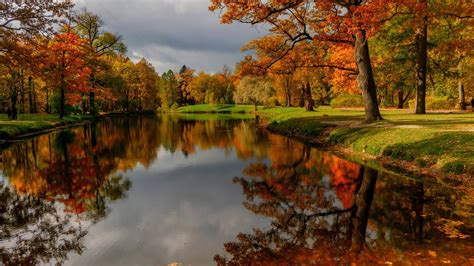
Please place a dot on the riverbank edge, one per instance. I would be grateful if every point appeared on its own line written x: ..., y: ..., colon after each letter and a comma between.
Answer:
x: 332, y: 138
x: 319, y: 139
x: 25, y: 133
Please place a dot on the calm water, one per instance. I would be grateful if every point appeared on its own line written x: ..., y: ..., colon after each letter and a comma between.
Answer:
x: 155, y: 191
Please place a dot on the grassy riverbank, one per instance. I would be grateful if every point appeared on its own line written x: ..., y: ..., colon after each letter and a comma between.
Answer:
x: 437, y: 142
x: 34, y: 123
x: 31, y: 124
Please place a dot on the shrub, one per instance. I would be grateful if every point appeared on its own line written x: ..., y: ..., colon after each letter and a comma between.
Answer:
x: 347, y: 100
x: 436, y: 103
x: 440, y: 103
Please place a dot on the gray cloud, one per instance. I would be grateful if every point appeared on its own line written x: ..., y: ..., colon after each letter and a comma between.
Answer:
x: 170, y: 33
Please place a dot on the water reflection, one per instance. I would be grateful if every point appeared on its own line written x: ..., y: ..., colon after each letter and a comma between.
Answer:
x: 318, y: 207
x: 33, y: 231
x: 67, y: 168
x: 327, y: 210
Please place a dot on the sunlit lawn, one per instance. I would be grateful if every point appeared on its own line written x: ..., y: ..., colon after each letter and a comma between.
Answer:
x: 216, y: 108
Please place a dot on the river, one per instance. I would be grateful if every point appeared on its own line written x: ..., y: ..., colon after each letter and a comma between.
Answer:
x: 201, y: 189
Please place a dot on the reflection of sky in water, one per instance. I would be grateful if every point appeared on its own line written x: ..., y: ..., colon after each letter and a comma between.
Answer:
x: 178, y: 210
x: 330, y: 194
x: 3, y: 179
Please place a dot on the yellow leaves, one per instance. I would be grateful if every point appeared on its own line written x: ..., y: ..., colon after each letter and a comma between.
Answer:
x: 451, y: 228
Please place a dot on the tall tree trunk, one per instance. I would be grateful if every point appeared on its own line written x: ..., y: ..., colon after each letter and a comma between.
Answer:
x: 365, y: 78
x: 47, y: 108
x: 385, y: 97
x: 301, y: 103
x: 92, y: 103
x: 35, y: 102
x: 92, y: 108
x: 13, y: 112
x: 288, y: 92
x: 392, y: 98
x: 22, y: 92
x: 400, y: 99
x: 62, y: 99
x: 30, y: 94
x: 308, y: 99
x: 127, y: 104
x: 462, y: 96
x: 288, y: 99
x: 421, y: 65
x: 62, y: 87
x: 84, y: 104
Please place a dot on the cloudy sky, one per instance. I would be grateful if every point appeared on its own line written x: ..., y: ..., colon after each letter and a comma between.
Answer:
x: 170, y: 33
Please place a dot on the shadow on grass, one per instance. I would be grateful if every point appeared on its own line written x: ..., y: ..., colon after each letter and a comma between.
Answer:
x: 452, y: 151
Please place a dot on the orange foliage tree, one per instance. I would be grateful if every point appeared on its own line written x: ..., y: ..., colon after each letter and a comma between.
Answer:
x: 66, y: 68
x: 327, y: 23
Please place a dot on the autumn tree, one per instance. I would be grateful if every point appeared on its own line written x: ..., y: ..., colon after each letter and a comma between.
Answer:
x: 291, y: 62
x: 341, y: 23
x: 254, y: 90
x: 394, y: 62
x: 13, y: 60
x: 206, y: 88
x: 89, y: 26
x: 168, y: 89
x: 124, y: 68
x: 67, y: 69
x: 28, y: 19
x: 147, y: 91
x: 429, y: 19
x: 228, y: 77
x: 450, y: 53
x: 20, y: 21
x: 185, y: 76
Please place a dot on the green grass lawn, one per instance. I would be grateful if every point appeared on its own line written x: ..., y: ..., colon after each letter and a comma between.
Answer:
x: 217, y: 108
x: 443, y: 141
x: 214, y: 116
x: 31, y: 123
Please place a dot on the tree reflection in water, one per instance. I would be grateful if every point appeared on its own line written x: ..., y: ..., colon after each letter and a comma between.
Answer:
x: 306, y: 226
x: 33, y: 231
x: 55, y: 184
x: 325, y: 210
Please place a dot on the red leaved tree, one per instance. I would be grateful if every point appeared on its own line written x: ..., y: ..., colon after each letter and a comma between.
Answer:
x: 66, y: 68
x: 325, y: 23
